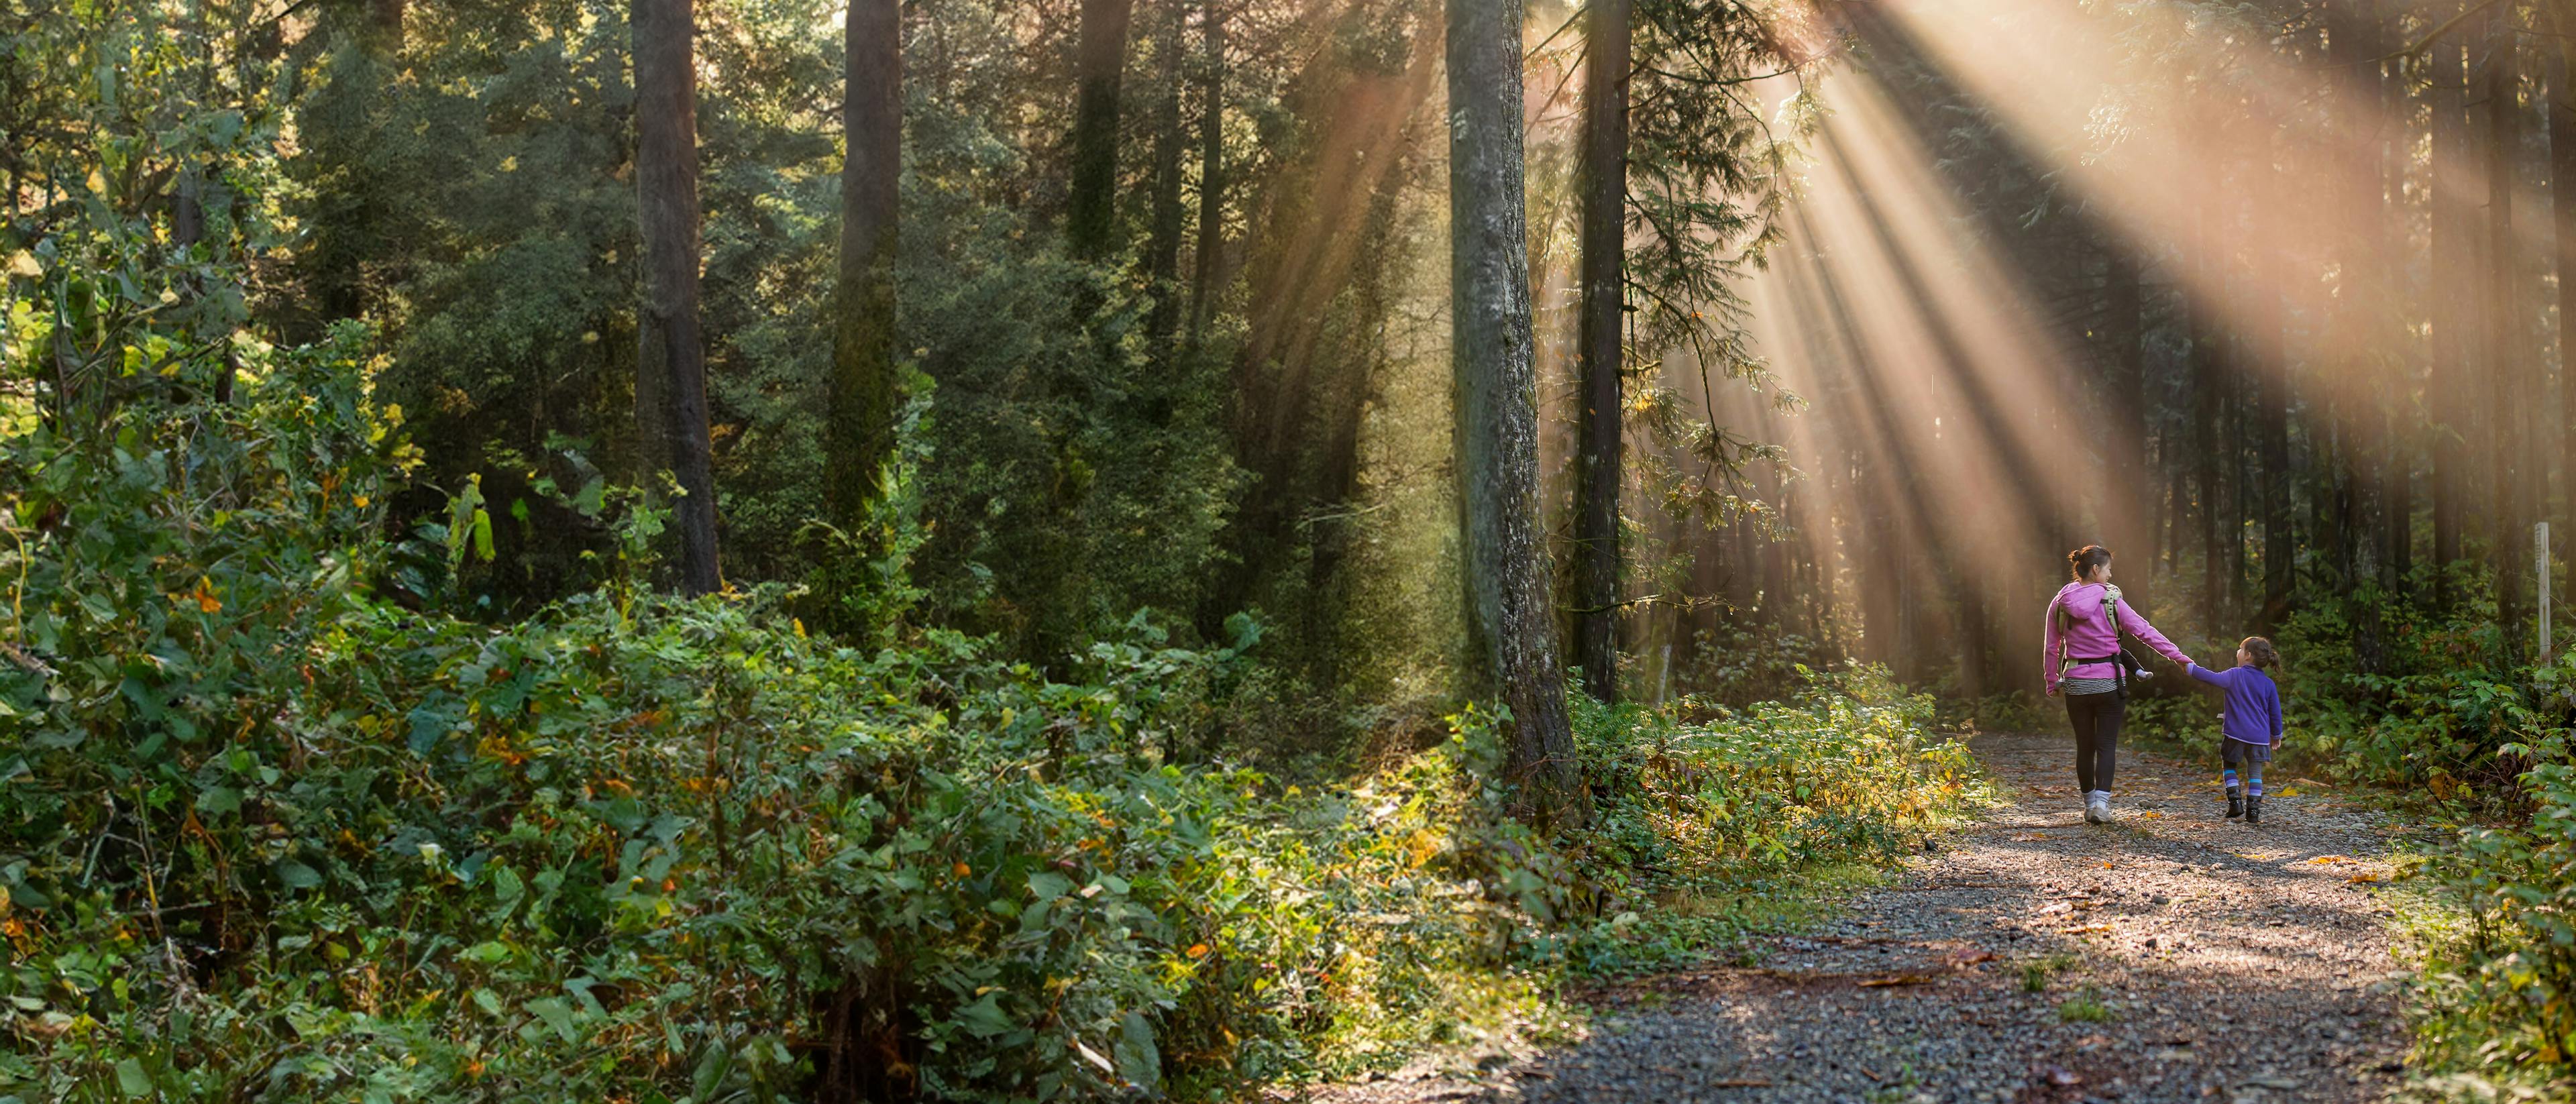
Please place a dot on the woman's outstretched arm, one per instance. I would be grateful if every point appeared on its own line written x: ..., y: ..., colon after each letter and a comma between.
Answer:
x: 2137, y: 626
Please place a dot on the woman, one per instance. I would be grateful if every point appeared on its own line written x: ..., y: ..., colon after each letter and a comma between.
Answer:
x: 2082, y: 660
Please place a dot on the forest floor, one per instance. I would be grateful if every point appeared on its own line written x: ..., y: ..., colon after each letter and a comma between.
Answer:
x: 2173, y: 956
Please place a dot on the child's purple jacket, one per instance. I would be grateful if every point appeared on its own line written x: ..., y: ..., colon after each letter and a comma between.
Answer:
x: 2253, y: 703
x: 2089, y: 633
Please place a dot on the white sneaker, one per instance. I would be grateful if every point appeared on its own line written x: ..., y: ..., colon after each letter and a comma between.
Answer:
x: 2098, y: 809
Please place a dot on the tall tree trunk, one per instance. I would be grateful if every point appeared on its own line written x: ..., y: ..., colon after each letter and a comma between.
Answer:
x: 2562, y: 192
x: 671, y: 366
x: 1210, y: 247
x: 1163, y: 240
x: 2271, y: 356
x: 861, y: 433
x: 1604, y: 292
x: 2392, y: 477
x: 2124, y: 335
x: 2503, y: 302
x: 2207, y: 392
x: 2453, y: 360
x: 1496, y: 430
x: 1100, y: 55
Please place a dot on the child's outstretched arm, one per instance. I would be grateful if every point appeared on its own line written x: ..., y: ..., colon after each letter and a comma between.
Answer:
x: 2204, y: 674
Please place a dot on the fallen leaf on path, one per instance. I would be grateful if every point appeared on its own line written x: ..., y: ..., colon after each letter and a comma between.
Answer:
x: 1899, y: 979
x: 2029, y: 837
x: 2323, y: 860
x: 2148, y: 814
x: 2060, y: 906
x: 2084, y: 929
x: 1964, y: 959
x: 2361, y: 878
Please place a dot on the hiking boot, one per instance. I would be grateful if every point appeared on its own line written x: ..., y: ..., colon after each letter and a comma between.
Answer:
x: 2235, y: 802
x: 2254, y: 809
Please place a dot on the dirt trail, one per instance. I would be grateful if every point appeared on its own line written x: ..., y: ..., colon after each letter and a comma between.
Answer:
x: 2180, y: 957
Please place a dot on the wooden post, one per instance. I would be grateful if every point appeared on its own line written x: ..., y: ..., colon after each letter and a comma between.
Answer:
x: 2540, y: 579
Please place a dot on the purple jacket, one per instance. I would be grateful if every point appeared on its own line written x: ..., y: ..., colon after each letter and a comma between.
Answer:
x: 2090, y: 634
x: 2253, y: 703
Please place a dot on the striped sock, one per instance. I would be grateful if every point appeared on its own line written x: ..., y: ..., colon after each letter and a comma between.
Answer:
x: 2231, y: 778
x: 2255, y: 789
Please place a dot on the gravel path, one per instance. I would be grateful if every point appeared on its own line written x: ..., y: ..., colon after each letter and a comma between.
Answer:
x: 2173, y: 956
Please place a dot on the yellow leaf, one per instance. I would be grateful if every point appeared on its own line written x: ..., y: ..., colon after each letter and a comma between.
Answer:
x: 205, y: 596
x: 963, y: 870
x: 1198, y: 950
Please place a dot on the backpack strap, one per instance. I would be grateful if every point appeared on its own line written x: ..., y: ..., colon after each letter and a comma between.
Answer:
x: 2118, y: 659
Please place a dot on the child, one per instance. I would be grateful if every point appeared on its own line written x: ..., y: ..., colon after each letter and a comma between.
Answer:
x: 2252, y: 722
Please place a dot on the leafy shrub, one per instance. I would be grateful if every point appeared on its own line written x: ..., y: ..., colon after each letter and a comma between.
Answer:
x: 277, y: 824
x: 1688, y: 811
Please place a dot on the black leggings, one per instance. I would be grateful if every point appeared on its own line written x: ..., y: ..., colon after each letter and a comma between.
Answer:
x: 2097, y: 737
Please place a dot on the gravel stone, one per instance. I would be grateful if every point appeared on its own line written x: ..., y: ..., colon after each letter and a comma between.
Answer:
x: 2202, y: 960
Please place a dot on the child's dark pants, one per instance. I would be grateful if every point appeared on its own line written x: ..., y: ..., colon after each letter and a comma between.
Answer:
x: 2097, y: 737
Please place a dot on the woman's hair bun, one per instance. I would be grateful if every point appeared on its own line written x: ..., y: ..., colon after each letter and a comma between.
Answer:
x: 2085, y: 559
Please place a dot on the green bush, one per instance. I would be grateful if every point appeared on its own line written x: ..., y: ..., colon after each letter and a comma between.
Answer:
x: 276, y: 823
x: 1692, y: 817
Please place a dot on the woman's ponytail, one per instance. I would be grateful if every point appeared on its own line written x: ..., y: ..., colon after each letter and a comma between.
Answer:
x: 2082, y: 561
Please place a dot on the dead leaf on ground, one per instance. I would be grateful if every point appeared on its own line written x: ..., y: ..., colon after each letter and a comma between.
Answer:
x: 1899, y: 979
x: 2358, y: 879
x: 1964, y: 959
x: 2029, y: 837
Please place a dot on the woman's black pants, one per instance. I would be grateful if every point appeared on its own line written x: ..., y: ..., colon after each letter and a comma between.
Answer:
x: 2097, y: 737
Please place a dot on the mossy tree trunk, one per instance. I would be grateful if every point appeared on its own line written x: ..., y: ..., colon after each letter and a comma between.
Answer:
x: 671, y: 366
x: 1496, y: 422
x: 861, y: 430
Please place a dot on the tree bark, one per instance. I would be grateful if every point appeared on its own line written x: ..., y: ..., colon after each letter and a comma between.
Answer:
x: 2124, y: 333
x: 1496, y: 428
x: 2503, y: 316
x: 2562, y: 192
x: 2269, y: 346
x: 2452, y: 367
x: 863, y: 375
x: 1100, y: 56
x: 1163, y: 241
x: 671, y: 365
x: 1604, y: 295
x: 1205, y: 267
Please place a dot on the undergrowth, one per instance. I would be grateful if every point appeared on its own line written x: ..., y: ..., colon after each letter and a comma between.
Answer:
x: 278, y: 822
